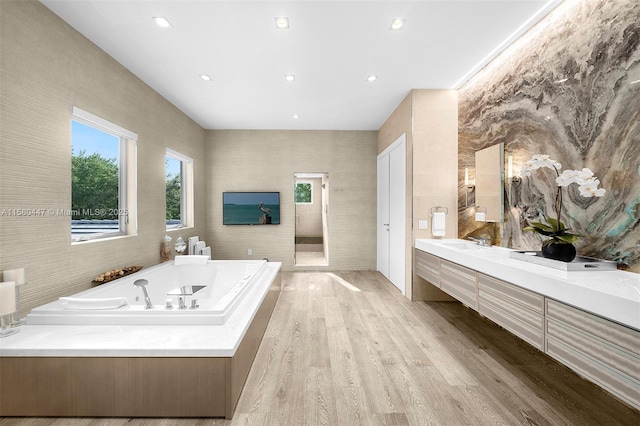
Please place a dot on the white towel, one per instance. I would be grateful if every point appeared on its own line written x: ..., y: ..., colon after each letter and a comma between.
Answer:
x: 191, y: 259
x: 438, y: 224
x: 192, y: 244
x: 206, y: 252
x: 199, y: 246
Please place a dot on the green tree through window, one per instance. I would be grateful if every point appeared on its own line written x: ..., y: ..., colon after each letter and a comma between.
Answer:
x: 303, y: 192
x: 94, y: 191
x: 174, y: 188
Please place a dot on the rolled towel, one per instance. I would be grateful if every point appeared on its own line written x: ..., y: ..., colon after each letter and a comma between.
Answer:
x: 191, y: 259
x: 438, y: 224
x: 192, y: 244
x: 93, y: 304
x: 198, y: 247
x: 206, y: 252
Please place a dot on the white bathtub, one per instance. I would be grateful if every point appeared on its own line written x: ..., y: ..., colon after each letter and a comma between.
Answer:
x: 121, y: 303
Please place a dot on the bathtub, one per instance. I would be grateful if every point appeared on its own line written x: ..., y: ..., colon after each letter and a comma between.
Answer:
x: 121, y: 303
x: 105, y: 354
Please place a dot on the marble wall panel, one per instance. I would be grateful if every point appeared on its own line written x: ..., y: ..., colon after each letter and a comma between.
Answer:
x: 566, y: 89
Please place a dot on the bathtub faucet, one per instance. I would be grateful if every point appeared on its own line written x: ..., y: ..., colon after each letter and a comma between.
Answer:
x: 142, y: 283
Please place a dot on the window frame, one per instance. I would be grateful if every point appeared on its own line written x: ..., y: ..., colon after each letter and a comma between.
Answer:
x: 186, y: 190
x: 127, y: 176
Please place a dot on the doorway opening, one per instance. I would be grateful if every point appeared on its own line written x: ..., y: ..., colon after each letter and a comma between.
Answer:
x: 311, y: 197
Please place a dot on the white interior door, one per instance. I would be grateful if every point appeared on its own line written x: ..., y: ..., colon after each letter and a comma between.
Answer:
x: 383, y: 215
x: 391, y: 225
x: 325, y: 213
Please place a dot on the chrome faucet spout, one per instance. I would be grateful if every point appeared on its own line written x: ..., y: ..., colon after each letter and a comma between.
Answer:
x: 481, y: 241
x: 147, y: 300
x: 182, y: 302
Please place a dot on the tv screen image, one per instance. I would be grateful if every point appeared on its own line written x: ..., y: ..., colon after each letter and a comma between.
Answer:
x: 250, y: 208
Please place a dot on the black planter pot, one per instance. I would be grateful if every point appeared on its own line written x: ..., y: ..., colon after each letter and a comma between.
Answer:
x: 562, y: 252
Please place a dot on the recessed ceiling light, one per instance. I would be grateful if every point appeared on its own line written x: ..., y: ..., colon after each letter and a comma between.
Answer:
x: 289, y: 77
x: 163, y: 22
x: 205, y: 77
x: 372, y: 77
x: 282, y: 22
x: 397, y: 23
x: 296, y: 116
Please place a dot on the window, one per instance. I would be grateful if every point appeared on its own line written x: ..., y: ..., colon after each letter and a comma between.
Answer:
x: 304, y: 192
x: 103, y: 177
x: 179, y: 190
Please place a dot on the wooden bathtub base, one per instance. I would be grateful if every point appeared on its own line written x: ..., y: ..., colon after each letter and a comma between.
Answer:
x: 132, y: 387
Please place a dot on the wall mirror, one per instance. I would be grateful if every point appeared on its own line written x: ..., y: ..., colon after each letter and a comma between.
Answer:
x: 490, y: 182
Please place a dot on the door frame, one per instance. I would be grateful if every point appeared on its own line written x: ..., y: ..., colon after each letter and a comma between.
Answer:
x: 397, y: 271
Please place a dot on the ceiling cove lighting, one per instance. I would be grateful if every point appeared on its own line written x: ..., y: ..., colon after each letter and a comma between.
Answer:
x: 282, y: 22
x: 397, y: 23
x: 295, y: 116
x: 528, y: 24
x: 205, y: 77
x: 162, y: 22
x: 290, y: 77
x: 372, y: 77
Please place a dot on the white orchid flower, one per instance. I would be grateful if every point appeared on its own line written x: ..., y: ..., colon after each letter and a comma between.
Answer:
x: 539, y: 161
x: 567, y: 177
x: 585, y: 176
x: 590, y: 189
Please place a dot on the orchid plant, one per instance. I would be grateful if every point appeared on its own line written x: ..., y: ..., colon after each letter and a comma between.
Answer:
x: 588, y: 187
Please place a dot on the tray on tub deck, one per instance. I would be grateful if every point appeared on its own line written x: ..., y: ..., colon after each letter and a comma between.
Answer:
x: 580, y: 263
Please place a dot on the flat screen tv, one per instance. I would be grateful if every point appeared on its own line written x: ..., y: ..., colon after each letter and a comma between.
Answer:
x: 251, y: 208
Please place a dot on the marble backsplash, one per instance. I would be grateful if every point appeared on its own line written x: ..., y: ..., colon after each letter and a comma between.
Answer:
x: 564, y: 89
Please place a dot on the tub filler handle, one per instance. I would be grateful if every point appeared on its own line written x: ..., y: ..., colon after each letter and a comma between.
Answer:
x: 194, y: 304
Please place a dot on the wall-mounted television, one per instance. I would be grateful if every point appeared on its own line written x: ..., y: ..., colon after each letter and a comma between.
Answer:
x: 251, y: 208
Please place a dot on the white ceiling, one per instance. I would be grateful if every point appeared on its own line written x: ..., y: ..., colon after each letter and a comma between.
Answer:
x: 331, y: 47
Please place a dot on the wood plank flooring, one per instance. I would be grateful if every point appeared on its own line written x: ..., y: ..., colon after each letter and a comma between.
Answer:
x: 346, y: 348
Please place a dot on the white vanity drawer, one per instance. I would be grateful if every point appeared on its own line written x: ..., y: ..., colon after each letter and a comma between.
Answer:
x: 428, y: 267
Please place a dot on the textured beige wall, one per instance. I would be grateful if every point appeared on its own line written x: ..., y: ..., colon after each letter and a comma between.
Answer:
x: 47, y: 68
x: 430, y: 120
x: 266, y: 160
x: 435, y: 170
x: 435, y: 158
x: 399, y: 122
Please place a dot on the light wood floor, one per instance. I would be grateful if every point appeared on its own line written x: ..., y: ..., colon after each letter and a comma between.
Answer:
x: 347, y: 349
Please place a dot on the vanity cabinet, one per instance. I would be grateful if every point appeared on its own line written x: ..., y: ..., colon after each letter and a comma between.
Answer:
x: 517, y: 310
x: 459, y: 282
x: 428, y: 267
x: 600, y: 350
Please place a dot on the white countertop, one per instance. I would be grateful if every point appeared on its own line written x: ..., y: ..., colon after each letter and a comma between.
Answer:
x: 140, y: 341
x: 614, y: 295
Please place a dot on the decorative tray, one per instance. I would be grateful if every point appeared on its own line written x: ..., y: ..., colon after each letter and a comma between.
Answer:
x: 580, y: 263
x: 114, y: 274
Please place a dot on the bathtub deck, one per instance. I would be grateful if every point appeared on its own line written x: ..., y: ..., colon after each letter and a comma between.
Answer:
x: 129, y: 371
